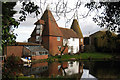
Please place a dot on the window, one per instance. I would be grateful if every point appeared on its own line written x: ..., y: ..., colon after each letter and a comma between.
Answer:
x: 58, y: 38
x: 41, y: 26
x: 40, y: 53
x: 37, y: 53
x: 43, y: 53
x: 37, y: 31
x: 46, y: 53
x: 37, y: 38
x: 38, y: 26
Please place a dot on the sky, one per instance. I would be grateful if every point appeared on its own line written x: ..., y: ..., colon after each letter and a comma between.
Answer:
x: 25, y: 28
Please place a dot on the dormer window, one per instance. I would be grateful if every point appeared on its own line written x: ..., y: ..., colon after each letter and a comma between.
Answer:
x: 38, y: 26
x: 37, y: 31
x: 37, y: 38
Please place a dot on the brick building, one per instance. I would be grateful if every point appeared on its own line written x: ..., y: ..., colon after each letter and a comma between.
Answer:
x: 21, y: 49
x: 48, y: 34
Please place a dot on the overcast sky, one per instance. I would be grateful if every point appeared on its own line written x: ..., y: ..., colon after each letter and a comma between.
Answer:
x: 25, y: 28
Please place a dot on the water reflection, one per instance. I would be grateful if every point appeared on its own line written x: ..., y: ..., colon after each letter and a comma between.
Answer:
x: 87, y: 75
x: 104, y: 69
x: 74, y: 69
x: 54, y: 69
x: 37, y: 69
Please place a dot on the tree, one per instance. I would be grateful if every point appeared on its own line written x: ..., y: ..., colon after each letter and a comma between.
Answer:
x: 8, y: 71
x: 109, y: 17
x: 8, y: 22
x: 62, y: 50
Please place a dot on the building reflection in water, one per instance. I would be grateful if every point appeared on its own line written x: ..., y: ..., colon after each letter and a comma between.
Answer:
x: 54, y: 69
x: 67, y: 69
x: 37, y: 69
x: 74, y: 69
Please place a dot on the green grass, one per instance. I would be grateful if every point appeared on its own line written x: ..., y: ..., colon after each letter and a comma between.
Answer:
x: 95, y: 55
x: 83, y: 56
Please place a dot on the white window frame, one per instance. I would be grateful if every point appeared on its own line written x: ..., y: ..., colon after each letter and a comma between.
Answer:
x: 58, y: 38
x: 37, y: 31
x: 37, y: 38
x: 38, y: 26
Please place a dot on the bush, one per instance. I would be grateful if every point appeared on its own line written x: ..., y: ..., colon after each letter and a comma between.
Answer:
x: 13, y: 65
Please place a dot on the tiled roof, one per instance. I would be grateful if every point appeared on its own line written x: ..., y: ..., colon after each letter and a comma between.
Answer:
x: 40, y: 22
x: 50, y: 28
x: 37, y: 48
x: 68, y: 33
x: 75, y: 26
x: 25, y: 44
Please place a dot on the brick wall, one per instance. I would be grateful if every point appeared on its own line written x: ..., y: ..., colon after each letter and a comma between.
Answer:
x: 26, y: 51
x: 53, y: 45
x: 32, y: 39
x: 15, y: 50
x: 40, y: 64
x: 45, y: 42
x: 39, y: 57
x: 53, y: 69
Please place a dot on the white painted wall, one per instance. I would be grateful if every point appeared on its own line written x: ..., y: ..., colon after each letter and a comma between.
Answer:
x: 75, y: 43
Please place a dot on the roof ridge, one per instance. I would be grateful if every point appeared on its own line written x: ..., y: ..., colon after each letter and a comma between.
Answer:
x: 51, y: 27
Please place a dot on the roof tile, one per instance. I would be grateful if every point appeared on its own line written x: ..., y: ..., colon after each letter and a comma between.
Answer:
x: 50, y: 28
x: 68, y: 33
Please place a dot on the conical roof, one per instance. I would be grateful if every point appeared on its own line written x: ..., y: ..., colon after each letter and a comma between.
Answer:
x: 50, y: 28
x: 75, y: 26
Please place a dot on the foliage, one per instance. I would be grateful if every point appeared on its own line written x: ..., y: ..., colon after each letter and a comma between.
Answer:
x: 8, y: 22
x: 13, y: 65
x: 28, y: 8
x: 62, y: 50
x: 106, y: 42
x: 95, y: 55
x: 118, y: 44
x: 109, y: 17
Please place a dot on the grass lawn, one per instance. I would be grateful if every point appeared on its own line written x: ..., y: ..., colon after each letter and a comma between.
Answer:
x: 95, y: 55
x: 84, y: 56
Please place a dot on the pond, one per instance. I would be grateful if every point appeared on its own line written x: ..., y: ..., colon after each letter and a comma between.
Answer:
x: 74, y: 69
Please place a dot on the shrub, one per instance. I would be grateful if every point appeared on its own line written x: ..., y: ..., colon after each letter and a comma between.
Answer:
x: 13, y: 65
